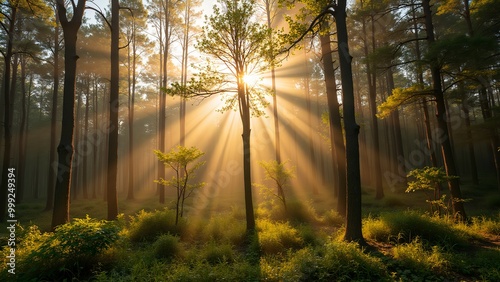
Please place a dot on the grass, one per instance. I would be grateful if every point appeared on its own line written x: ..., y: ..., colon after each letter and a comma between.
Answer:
x: 301, y: 245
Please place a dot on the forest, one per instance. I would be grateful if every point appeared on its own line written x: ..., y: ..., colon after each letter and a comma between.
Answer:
x: 250, y: 140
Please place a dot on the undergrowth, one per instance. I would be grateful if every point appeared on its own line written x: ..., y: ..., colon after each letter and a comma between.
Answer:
x: 150, y: 247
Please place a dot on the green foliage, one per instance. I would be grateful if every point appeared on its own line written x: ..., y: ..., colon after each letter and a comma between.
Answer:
x: 235, y: 41
x: 215, y: 253
x: 276, y: 237
x: 422, y: 261
x: 225, y: 229
x: 280, y: 175
x: 335, y: 261
x: 430, y: 178
x: 402, y: 96
x: 182, y: 161
x: 147, y: 226
x: 407, y: 226
x: 167, y: 247
x: 70, y: 251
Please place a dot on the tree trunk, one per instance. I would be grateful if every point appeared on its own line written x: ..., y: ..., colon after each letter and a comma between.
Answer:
x: 372, y: 97
x: 353, y: 217
x: 86, y: 143
x: 247, y: 178
x: 336, y: 135
x: 444, y: 139
x: 49, y: 204
x: 60, y: 214
x: 22, y: 136
x: 113, y: 113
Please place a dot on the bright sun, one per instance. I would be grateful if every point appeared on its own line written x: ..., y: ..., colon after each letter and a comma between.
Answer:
x: 251, y: 79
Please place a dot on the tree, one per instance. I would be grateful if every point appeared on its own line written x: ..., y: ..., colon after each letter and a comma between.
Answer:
x: 113, y: 112
x: 441, y: 114
x: 353, y: 177
x: 353, y: 216
x: 280, y: 175
x: 183, y: 161
x: 135, y: 25
x: 60, y: 214
x: 53, y: 116
x: 299, y: 26
x: 9, y: 16
x: 239, y: 46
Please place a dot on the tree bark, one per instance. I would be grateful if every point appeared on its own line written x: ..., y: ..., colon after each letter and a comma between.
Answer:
x: 113, y: 113
x: 353, y: 217
x: 336, y: 135
x: 60, y: 214
x: 441, y: 114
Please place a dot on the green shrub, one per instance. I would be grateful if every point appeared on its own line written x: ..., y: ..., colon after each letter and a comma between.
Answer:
x: 147, y: 226
x: 406, y: 226
x: 167, y: 247
x: 302, y: 213
x: 376, y: 229
x: 486, y: 225
x: 420, y: 261
x: 225, y: 229
x: 218, y: 253
x: 335, y: 261
x: 276, y: 237
x: 71, y: 251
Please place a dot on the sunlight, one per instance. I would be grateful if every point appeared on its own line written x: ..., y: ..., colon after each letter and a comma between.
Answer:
x: 251, y: 79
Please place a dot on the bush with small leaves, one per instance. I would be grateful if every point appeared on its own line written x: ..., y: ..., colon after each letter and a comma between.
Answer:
x: 147, y: 226
x: 167, y: 247
x: 277, y: 237
x: 71, y: 250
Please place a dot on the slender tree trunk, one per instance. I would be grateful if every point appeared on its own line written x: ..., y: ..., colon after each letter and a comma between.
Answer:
x: 113, y: 113
x: 444, y: 139
x: 60, y: 214
x: 131, y: 105
x: 86, y: 142
x: 49, y: 204
x: 96, y: 179
x: 243, y: 98
x: 336, y: 136
x: 353, y: 216
x: 76, y: 155
x: 372, y: 97
x: 22, y: 137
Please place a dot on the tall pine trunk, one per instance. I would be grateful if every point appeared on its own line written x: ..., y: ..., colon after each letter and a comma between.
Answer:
x: 353, y: 230
x: 113, y: 114
x: 336, y: 135
x: 441, y: 114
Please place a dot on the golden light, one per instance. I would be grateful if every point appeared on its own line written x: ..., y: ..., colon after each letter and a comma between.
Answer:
x: 251, y: 79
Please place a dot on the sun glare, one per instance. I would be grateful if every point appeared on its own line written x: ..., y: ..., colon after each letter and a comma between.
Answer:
x: 251, y: 79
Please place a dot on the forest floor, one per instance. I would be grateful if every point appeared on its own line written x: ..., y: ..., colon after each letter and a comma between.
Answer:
x: 405, y: 242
